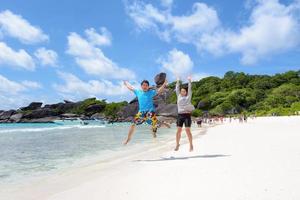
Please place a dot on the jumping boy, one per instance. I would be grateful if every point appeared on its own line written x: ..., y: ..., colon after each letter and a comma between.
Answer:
x: 146, y: 111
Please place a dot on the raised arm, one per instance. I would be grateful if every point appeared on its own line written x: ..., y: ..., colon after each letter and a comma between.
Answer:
x: 190, y: 87
x: 177, y: 88
x: 128, y: 85
x: 161, y: 89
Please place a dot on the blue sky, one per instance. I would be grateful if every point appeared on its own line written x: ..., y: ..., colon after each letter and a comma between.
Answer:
x: 50, y: 51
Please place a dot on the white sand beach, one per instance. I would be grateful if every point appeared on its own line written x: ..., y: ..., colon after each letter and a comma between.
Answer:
x: 255, y: 160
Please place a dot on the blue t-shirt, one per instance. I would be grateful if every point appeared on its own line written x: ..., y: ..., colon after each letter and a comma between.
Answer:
x: 145, y: 99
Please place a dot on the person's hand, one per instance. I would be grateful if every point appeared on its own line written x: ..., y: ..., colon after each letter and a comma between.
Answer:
x: 125, y: 82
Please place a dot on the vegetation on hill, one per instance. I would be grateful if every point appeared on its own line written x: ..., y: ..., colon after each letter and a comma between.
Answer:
x: 238, y: 92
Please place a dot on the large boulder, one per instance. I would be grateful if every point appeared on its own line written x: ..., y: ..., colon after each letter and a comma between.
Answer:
x: 160, y: 79
x: 32, y: 106
x: 69, y: 115
x: 16, y: 117
x: 201, y: 104
x: 94, y: 108
x: 128, y: 110
x: 168, y: 110
x: 99, y: 116
x: 68, y: 101
x: 6, y: 114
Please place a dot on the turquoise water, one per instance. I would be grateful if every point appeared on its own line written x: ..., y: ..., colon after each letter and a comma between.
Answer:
x: 32, y: 150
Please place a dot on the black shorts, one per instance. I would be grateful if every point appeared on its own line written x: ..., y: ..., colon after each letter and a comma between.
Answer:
x: 184, y: 119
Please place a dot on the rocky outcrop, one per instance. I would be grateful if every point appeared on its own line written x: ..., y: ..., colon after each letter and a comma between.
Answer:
x: 160, y: 79
x: 16, y: 117
x: 69, y: 115
x: 168, y: 110
x: 32, y: 106
x: 40, y: 113
x: 6, y: 114
x: 95, y: 108
x: 99, y: 116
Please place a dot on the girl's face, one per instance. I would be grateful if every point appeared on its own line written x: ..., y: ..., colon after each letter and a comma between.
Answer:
x: 183, y: 92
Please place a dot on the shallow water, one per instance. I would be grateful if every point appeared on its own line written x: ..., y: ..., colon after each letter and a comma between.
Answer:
x: 32, y: 150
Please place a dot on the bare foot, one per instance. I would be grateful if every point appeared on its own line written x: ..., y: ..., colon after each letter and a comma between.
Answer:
x: 177, y: 147
x: 154, y: 130
x: 191, y: 148
x: 125, y: 142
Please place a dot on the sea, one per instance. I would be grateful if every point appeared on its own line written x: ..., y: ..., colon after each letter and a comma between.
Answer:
x: 32, y: 150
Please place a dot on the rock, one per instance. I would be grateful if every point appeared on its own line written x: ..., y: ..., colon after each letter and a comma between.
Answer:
x: 168, y: 110
x: 40, y: 113
x: 6, y: 114
x: 133, y: 100
x: 16, y: 117
x: 129, y: 110
x: 41, y: 120
x: 32, y: 106
x: 53, y: 106
x: 63, y: 107
x: 94, y: 108
x: 201, y: 104
x: 160, y: 79
x: 99, y: 116
x: 67, y: 101
x: 69, y: 115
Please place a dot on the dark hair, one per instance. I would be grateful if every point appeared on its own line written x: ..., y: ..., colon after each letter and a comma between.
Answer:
x: 186, y: 88
x: 145, y: 81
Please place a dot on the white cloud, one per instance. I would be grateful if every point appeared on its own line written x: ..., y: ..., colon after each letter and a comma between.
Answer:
x: 92, y: 60
x: 75, y: 88
x: 31, y: 84
x: 183, y: 28
x: 16, y: 26
x: 272, y: 28
x: 10, y: 87
x: 46, y: 56
x: 103, y: 39
x: 13, y: 58
x: 13, y: 94
x: 178, y: 63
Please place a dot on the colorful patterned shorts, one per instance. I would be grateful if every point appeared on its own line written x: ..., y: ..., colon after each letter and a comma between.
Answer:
x: 148, y: 117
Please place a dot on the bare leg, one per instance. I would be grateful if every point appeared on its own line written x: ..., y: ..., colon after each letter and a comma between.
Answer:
x: 130, y: 133
x: 190, y: 137
x: 178, y: 136
x: 154, y: 130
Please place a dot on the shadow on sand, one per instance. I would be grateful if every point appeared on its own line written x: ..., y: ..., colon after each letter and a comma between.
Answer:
x: 183, y: 158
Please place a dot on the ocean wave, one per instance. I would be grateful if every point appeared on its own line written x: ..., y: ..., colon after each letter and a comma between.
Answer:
x: 51, y: 128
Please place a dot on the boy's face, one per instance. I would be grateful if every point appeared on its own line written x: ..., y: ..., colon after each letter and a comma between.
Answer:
x: 145, y: 87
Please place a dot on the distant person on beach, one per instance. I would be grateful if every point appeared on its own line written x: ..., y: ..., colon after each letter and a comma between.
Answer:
x: 199, y: 122
x: 185, y: 108
x: 146, y: 111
